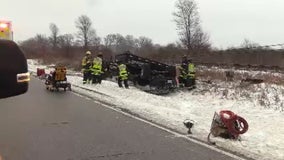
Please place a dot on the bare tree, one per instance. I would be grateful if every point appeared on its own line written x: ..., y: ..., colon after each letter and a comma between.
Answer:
x: 95, y: 42
x: 116, y: 42
x: 119, y: 44
x: 66, y: 42
x: 54, y: 34
x: 131, y: 43
x: 85, y: 31
x: 144, y: 42
x: 110, y: 40
x: 247, y: 44
x: 145, y: 46
x: 187, y: 20
x: 42, y: 43
x: 36, y: 46
x: 200, y: 40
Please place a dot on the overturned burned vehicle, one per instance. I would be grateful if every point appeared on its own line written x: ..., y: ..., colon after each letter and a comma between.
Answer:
x: 150, y: 75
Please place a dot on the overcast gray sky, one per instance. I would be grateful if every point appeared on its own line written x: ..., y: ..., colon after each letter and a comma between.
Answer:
x: 228, y: 22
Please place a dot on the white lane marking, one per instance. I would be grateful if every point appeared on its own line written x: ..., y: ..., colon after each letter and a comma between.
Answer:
x: 169, y: 131
x: 176, y: 134
x: 164, y: 129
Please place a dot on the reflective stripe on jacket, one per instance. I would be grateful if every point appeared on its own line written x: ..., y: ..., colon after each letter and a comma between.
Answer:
x: 191, y: 70
x: 86, y: 63
x: 182, y: 72
x: 123, y: 72
x: 97, y: 66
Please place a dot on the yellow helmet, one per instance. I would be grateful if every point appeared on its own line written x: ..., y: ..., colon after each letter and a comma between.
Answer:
x: 88, y: 53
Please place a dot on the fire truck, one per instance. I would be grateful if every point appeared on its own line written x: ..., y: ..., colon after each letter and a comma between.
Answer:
x: 6, y: 30
x: 14, y: 78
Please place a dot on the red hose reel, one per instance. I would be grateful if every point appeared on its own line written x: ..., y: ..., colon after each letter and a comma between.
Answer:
x: 236, y: 125
x: 228, y: 125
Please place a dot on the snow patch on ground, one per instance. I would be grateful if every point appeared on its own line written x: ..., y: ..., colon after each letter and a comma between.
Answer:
x: 263, y: 95
x: 264, y: 139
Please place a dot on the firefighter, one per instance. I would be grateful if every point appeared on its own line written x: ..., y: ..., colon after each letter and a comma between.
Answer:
x: 183, y: 70
x: 97, y: 69
x: 191, y: 73
x: 122, y: 75
x: 187, y: 72
x: 86, y: 65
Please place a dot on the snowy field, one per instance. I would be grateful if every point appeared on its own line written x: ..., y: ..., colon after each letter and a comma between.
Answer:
x: 260, y: 104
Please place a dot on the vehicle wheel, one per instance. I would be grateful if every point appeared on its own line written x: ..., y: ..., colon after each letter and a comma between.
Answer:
x: 158, y: 85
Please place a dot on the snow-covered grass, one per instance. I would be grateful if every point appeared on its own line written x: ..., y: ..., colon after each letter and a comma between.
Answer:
x: 270, y: 76
x: 264, y: 139
x: 263, y: 95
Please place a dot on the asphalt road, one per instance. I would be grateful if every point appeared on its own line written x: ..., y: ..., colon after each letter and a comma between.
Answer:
x: 42, y: 125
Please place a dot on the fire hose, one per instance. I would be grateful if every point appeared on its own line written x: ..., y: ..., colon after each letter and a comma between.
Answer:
x: 227, y: 124
x: 236, y: 124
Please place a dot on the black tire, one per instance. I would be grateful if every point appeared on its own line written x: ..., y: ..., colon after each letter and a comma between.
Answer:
x: 158, y: 85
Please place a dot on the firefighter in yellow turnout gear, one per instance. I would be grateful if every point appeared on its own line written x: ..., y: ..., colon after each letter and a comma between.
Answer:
x: 187, y: 73
x: 86, y: 65
x: 191, y: 73
x: 191, y: 69
x: 122, y: 75
x: 97, y: 69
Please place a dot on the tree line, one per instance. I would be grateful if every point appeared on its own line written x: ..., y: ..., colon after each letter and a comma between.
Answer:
x: 193, y: 42
x: 186, y: 16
